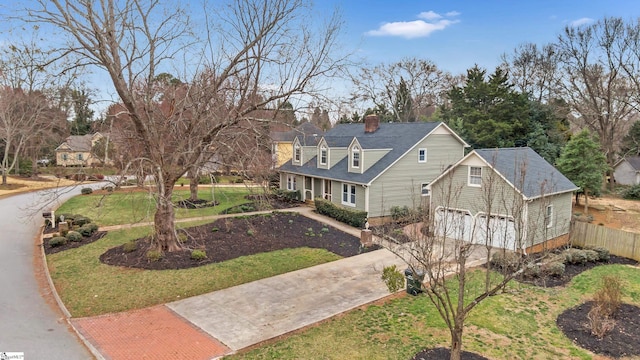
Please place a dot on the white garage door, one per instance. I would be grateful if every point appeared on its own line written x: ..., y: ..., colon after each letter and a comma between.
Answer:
x: 501, y: 232
x: 454, y: 224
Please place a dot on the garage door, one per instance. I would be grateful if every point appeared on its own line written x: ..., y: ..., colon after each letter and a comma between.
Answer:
x: 501, y: 232
x: 454, y: 224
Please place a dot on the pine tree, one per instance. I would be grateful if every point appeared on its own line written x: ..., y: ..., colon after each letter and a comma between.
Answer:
x: 583, y: 162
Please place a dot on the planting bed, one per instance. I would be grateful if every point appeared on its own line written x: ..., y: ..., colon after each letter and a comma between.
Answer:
x: 231, y: 238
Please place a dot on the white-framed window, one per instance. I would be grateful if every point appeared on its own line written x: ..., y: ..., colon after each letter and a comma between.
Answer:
x: 355, y: 157
x: 65, y: 157
x: 548, y: 216
x: 291, y: 183
x: 424, y: 189
x: 80, y: 157
x: 323, y: 155
x: 422, y: 155
x: 475, y: 176
x: 348, y: 194
x: 296, y: 152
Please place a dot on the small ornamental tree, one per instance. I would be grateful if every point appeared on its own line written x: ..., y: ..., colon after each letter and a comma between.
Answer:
x: 583, y: 162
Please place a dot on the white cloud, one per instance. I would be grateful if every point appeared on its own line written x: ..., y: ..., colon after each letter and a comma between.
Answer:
x: 429, y: 15
x: 416, y: 28
x: 581, y: 21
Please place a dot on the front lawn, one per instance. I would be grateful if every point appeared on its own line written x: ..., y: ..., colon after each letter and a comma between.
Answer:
x: 130, y: 206
x: 88, y: 287
x: 520, y: 324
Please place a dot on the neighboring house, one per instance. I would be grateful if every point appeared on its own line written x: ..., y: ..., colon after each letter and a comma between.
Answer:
x: 76, y: 150
x: 508, y: 198
x: 282, y: 141
x: 627, y: 171
x: 372, y: 166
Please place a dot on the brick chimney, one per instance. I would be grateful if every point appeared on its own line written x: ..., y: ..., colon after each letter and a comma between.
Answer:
x: 371, y: 123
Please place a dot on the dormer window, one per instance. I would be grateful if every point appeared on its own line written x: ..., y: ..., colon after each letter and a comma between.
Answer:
x: 296, y: 152
x: 323, y: 155
x: 355, y: 157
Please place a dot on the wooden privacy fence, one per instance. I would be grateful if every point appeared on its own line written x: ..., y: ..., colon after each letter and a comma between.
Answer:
x: 618, y: 242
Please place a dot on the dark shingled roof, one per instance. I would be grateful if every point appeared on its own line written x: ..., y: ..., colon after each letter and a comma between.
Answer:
x: 634, y: 161
x: 396, y: 137
x: 310, y: 132
x: 540, y: 177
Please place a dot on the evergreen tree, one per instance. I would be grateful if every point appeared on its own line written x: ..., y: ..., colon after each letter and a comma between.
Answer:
x: 403, y: 106
x: 631, y: 141
x: 584, y: 163
x: 83, y: 115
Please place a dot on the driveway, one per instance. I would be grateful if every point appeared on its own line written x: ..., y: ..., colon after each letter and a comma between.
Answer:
x: 28, y: 323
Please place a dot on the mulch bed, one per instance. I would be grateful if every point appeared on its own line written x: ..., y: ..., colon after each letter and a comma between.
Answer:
x: 230, y: 238
x: 48, y: 249
x: 572, y: 270
x: 623, y: 340
x: 444, y: 353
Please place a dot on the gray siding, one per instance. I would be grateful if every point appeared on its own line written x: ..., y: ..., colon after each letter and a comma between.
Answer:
x: 335, y: 155
x: 561, y: 218
x: 400, y: 184
x: 371, y: 157
x: 336, y: 196
x: 625, y: 174
x: 308, y: 152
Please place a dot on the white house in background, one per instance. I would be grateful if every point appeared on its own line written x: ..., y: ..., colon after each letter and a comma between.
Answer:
x: 627, y: 171
x: 523, y: 201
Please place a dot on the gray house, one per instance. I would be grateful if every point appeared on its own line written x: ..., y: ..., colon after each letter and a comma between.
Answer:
x: 508, y: 198
x: 372, y: 166
x: 627, y: 171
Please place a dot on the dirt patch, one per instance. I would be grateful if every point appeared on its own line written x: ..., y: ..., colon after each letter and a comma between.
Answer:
x: 613, y: 212
x: 17, y: 184
x: 444, y: 353
x: 623, y: 340
x: 230, y: 238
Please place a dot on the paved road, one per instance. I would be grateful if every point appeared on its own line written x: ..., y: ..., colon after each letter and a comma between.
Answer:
x: 27, y: 323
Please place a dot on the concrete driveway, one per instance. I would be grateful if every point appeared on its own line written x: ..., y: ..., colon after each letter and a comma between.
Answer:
x: 28, y: 323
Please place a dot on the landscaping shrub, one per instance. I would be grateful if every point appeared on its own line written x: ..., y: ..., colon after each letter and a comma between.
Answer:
x: 57, y: 241
x: 505, y: 260
x: 632, y: 193
x: 575, y: 256
x: 91, y: 226
x: 287, y: 195
x: 85, y: 231
x: 399, y: 213
x: 603, y: 253
x: 81, y: 220
x: 393, y: 278
x: 532, y: 271
x: 130, y: 246
x: 591, y: 255
x: 351, y: 217
x: 607, y: 301
x: 609, y: 296
x: 554, y: 268
x: 198, y: 254
x: 86, y: 191
x: 74, y: 236
x: 154, y: 255
x: 108, y: 188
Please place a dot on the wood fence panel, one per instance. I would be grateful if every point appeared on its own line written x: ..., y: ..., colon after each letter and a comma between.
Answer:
x: 618, y: 242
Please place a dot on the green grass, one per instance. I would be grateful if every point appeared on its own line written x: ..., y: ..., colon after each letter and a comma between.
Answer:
x: 127, y: 207
x: 88, y: 287
x: 518, y: 324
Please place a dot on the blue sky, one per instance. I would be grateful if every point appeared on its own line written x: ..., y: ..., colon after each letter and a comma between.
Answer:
x: 456, y: 34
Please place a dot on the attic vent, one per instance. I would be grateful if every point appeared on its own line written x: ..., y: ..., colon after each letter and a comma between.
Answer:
x: 371, y: 123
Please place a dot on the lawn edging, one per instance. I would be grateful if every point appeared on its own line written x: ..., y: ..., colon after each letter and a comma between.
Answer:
x: 61, y: 306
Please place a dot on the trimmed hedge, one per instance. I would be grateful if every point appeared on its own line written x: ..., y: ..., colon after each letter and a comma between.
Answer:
x: 354, y: 218
x: 287, y: 195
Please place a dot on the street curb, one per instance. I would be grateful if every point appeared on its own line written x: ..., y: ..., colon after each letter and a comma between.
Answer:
x: 61, y: 306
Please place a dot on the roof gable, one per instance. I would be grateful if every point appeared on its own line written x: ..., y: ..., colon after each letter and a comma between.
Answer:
x: 77, y: 143
x: 634, y: 161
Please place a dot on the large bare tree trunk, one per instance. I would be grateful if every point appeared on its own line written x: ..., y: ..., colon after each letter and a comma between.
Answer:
x: 164, y: 236
x: 586, y: 202
x: 193, y: 184
x: 456, y: 341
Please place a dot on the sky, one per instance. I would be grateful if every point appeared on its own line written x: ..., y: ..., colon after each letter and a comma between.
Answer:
x: 456, y: 34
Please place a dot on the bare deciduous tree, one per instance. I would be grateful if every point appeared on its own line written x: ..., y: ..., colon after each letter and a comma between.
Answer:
x: 445, y: 243
x: 595, y: 61
x: 257, y: 52
x: 425, y: 83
